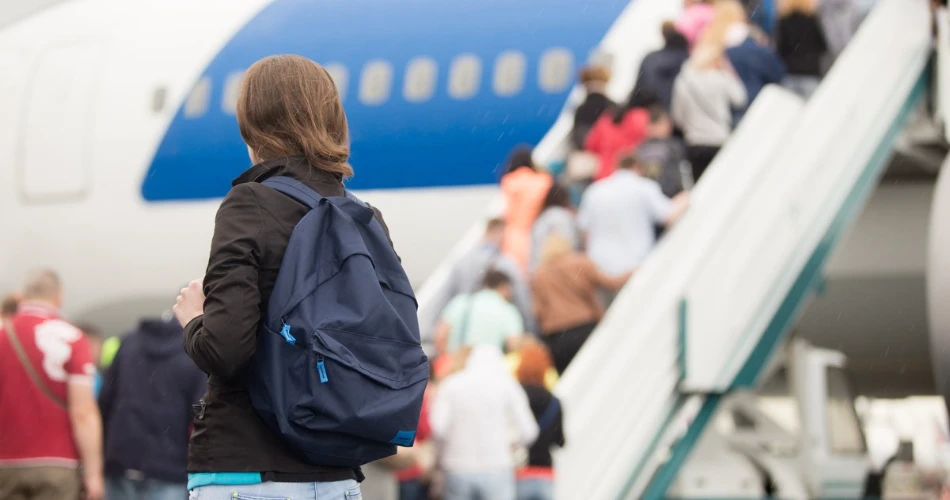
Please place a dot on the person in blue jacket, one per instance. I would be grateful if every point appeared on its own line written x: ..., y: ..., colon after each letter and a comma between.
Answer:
x: 756, y: 64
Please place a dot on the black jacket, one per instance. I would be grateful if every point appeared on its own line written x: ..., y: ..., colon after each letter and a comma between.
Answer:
x: 586, y: 115
x: 551, y: 435
x: 659, y: 70
x: 251, y: 232
x: 146, y: 400
x: 800, y: 42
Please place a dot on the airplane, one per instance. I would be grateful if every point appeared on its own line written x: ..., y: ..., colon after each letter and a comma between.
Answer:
x: 118, y: 140
x: 119, y: 137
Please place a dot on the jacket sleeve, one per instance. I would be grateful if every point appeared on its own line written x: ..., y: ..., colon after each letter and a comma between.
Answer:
x: 110, y: 383
x: 223, y: 339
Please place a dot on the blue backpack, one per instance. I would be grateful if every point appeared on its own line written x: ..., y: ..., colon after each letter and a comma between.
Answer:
x: 339, y: 371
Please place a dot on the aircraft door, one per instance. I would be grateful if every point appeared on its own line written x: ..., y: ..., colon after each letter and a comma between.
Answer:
x: 57, y: 126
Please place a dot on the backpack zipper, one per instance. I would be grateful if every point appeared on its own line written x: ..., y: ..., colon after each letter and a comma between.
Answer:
x: 285, y: 332
x: 322, y: 369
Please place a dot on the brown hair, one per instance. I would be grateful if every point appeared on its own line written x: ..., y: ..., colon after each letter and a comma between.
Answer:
x: 534, y: 365
x: 789, y: 6
x: 495, y: 224
x: 289, y: 106
x: 594, y: 74
x: 9, y: 306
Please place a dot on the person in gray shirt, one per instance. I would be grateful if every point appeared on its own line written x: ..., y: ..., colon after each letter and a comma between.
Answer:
x: 468, y: 272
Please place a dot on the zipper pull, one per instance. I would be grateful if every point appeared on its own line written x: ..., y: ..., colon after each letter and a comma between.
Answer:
x: 285, y: 332
x: 322, y: 369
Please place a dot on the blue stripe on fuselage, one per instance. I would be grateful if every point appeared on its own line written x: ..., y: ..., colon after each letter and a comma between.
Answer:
x: 398, y: 144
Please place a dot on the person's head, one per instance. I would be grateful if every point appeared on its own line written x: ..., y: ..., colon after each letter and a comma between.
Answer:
x: 499, y: 282
x: 594, y: 78
x: 520, y: 158
x: 96, y: 338
x: 803, y: 6
x: 495, y: 231
x: 535, y: 363
x: 43, y: 286
x: 672, y: 37
x: 289, y: 106
x: 661, y: 127
x: 557, y: 197
x: 630, y: 162
x: 554, y: 247
x: 9, y: 306
x: 727, y: 13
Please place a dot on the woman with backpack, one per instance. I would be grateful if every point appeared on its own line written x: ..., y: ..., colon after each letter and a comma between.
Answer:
x: 236, y: 327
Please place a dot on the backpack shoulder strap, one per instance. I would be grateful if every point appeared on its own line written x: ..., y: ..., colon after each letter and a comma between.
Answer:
x: 25, y: 362
x: 295, y: 189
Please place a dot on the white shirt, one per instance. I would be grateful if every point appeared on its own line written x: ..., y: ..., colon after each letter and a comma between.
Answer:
x: 619, y: 214
x: 478, y: 413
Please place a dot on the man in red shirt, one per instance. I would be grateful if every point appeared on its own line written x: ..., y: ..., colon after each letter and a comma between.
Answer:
x: 49, y: 420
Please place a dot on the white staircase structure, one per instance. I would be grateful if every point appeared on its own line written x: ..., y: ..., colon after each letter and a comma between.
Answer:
x: 707, y: 309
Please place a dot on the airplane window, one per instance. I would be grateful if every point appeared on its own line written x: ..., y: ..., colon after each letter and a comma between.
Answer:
x: 232, y: 87
x: 556, y: 70
x: 420, y: 80
x: 465, y: 76
x: 375, y: 82
x: 197, y: 102
x: 509, y: 73
x: 340, y: 77
x: 158, y: 99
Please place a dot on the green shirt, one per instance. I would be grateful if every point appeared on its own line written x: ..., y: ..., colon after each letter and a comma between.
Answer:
x: 488, y: 319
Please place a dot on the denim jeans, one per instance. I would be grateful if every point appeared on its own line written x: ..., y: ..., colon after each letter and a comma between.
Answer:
x: 535, y: 489
x: 123, y: 488
x: 480, y: 486
x: 339, y: 490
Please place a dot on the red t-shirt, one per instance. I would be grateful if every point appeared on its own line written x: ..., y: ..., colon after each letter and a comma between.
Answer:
x: 33, y: 429
x: 610, y: 141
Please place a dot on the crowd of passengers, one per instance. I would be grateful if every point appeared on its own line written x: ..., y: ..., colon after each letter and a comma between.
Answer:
x: 526, y: 298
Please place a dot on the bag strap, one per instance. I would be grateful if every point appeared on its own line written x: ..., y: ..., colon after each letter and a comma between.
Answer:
x: 25, y: 361
x: 295, y: 189
x: 349, y: 203
x: 547, y: 418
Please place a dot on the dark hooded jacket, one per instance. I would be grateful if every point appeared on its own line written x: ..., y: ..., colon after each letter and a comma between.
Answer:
x: 146, y: 400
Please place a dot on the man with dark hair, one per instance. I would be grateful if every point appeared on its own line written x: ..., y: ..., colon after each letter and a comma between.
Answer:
x: 486, y: 317
x: 469, y: 272
x: 659, y: 69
